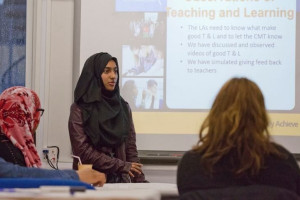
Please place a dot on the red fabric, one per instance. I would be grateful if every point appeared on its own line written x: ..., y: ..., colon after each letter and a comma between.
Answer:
x: 19, y: 119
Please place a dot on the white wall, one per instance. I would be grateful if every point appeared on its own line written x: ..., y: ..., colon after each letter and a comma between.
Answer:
x: 51, y: 60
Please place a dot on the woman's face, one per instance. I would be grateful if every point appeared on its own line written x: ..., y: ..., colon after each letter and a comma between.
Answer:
x: 110, y: 75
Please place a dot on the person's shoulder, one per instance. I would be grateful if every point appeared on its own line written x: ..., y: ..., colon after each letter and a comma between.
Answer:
x: 75, y: 106
x: 190, y: 155
x: 285, y: 159
x: 281, y: 148
x: 75, y: 109
x: 125, y: 103
x: 190, y: 162
x: 285, y: 154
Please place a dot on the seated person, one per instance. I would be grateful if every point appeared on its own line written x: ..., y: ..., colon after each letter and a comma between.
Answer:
x: 20, y: 113
x: 234, y: 148
x: 10, y: 170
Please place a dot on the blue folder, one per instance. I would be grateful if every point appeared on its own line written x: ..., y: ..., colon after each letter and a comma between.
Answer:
x: 37, y: 182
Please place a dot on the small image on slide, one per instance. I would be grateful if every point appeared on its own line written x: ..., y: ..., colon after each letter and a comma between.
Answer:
x: 141, y: 5
x: 129, y: 92
x: 147, y: 27
x: 143, y: 93
x: 143, y: 60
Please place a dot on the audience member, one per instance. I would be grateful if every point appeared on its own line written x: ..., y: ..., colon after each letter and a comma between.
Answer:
x: 235, y: 148
x: 20, y: 112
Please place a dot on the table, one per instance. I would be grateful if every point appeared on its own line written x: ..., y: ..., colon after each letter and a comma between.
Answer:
x: 167, y: 191
x: 116, y: 191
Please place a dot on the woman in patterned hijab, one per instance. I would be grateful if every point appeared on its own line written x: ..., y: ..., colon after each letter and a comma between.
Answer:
x: 20, y: 114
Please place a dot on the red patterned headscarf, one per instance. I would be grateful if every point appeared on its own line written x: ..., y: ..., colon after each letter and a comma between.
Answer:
x: 19, y: 118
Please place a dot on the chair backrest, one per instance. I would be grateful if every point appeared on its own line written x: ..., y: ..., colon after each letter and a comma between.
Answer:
x: 251, y: 192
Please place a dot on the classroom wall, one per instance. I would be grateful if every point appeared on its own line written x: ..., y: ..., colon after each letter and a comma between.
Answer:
x: 52, y: 61
x: 51, y: 53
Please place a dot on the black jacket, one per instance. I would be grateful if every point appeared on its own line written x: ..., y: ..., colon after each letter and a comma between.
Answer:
x: 278, y: 172
x: 104, y: 159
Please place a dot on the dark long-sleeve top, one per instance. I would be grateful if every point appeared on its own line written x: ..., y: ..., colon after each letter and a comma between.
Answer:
x: 10, y: 170
x: 283, y: 173
x: 104, y: 159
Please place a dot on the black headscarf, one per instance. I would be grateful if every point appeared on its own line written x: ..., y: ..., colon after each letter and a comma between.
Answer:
x: 105, y: 114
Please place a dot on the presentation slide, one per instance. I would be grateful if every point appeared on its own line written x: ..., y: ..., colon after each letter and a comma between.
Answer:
x: 175, y: 55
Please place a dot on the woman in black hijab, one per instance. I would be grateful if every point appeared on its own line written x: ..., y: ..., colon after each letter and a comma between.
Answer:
x: 100, y: 125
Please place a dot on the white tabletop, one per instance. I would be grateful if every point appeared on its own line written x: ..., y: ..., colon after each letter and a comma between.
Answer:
x: 162, y: 188
x: 116, y: 191
x: 128, y: 194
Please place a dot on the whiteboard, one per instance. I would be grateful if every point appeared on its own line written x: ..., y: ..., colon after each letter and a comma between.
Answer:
x: 192, y: 48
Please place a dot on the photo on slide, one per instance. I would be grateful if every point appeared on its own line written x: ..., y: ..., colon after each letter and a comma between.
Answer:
x: 143, y: 93
x: 144, y: 60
